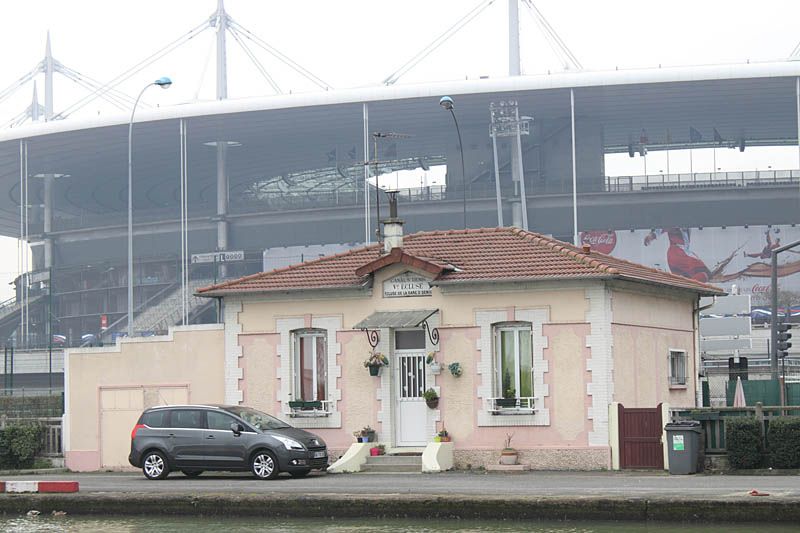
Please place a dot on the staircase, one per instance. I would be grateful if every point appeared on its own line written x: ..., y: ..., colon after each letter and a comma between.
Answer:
x: 168, y: 311
x: 394, y: 463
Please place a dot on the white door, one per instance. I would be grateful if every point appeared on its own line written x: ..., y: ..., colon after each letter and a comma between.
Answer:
x: 411, y: 411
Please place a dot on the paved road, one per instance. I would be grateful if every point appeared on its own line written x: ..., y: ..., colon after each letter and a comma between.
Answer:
x: 594, y: 484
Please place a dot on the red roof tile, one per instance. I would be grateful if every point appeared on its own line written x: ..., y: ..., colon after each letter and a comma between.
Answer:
x: 474, y: 255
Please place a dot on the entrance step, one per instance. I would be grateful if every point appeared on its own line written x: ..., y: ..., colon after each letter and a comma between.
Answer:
x: 393, y: 464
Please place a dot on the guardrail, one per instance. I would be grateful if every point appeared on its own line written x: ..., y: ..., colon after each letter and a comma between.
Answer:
x: 525, y: 405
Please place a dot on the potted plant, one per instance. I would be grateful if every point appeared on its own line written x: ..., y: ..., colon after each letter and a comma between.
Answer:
x: 431, y: 398
x: 508, y: 455
x: 455, y: 369
x: 509, y: 398
x: 365, y: 434
x: 380, y: 449
x: 375, y: 362
x: 442, y: 436
x: 436, y: 368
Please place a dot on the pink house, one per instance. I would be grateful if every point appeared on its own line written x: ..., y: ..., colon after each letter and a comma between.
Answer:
x: 518, y: 334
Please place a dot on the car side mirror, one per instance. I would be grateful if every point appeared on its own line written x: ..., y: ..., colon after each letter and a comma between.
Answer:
x: 236, y: 428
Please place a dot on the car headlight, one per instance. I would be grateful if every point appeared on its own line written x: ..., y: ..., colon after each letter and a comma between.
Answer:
x: 289, y: 444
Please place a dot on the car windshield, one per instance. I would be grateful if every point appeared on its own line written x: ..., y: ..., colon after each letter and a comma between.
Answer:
x: 257, y: 419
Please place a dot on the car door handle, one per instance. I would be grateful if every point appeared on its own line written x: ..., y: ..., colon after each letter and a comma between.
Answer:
x: 210, y: 437
x: 171, y: 435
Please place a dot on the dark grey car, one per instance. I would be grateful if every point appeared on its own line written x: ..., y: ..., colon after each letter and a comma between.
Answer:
x: 195, y: 438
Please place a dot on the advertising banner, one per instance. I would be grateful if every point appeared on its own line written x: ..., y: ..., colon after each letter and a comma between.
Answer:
x: 722, y: 256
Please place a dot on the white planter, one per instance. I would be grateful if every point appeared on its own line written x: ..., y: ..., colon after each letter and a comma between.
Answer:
x: 436, y: 368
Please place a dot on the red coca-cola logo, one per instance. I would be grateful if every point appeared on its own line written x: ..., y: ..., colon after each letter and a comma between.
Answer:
x: 601, y: 241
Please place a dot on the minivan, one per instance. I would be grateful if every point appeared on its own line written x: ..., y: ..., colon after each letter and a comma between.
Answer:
x: 196, y: 438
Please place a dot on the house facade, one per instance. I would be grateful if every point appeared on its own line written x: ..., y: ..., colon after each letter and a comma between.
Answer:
x: 517, y: 334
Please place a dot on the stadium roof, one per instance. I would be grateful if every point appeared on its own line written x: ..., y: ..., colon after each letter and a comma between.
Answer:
x: 317, y: 138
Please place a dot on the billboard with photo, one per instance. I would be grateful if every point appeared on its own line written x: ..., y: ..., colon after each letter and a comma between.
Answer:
x: 723, y: 256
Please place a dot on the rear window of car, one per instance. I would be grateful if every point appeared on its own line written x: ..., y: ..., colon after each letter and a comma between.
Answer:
x: 187, y: 418
x: 155, y: 419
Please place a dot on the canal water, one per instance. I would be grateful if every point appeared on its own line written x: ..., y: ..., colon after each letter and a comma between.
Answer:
x: 232, y: 525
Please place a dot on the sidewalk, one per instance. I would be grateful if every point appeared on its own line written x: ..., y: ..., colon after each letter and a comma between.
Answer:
x: 536, y: 495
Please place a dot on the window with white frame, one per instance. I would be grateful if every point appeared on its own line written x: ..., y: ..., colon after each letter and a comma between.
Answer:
x: 310, y: 365
x: 677, y: 367
x: 514, y: 363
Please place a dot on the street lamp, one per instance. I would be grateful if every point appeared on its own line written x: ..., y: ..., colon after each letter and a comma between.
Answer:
x: 447, y: 103
x: 164, y: 83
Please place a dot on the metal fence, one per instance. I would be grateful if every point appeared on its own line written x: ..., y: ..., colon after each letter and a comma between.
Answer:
x: 31, y: 403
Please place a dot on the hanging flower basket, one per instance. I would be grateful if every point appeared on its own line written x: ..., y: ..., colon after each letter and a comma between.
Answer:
x: 375, y: 362
x: 431, y: 398
x: 455, y: 369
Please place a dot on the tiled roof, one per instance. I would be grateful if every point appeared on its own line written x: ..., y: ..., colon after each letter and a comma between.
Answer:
x: 474, y: 255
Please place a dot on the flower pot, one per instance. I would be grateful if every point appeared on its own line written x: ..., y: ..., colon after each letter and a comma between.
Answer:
x: 436, y: 369
x: 433, y: 403
x: 374, y: 370
x: 506, y: 402
x: 444, y: 439
x: 508, y: 457
x: 374, y: 452
x: 364, y: 439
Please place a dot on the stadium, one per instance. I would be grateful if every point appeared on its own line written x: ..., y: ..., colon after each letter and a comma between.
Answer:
x: 232, y: 187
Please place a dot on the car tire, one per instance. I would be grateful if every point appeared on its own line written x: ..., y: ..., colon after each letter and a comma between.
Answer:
x: 299, y: 474
x: 264, y: 465
x: 191, y: 473
x: 154, y: 465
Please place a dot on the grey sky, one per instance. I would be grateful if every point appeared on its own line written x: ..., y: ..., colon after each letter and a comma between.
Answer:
x: 351, y: 43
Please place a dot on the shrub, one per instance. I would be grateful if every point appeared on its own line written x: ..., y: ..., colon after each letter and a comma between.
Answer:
x: 743, y: 441
x: 783, y: 442
x: 19, y: 444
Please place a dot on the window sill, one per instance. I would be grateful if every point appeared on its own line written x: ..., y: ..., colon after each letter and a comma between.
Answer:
x: 304, y: 413
x: 678, y: 387
x: 512, y: 411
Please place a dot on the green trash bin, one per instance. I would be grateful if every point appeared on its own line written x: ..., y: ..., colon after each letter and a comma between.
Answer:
x: 683, y: 442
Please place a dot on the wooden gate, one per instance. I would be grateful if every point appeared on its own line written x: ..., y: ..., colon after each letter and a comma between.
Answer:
x: 640, y: 438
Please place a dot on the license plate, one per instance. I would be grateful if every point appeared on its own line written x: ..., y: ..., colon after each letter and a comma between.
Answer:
x: 319, y: 455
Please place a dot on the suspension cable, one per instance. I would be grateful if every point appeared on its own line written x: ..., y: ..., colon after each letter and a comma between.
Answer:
x: 436, y: 43
x: 549, y: 30
x: 255, y: 62
x: 279, y: 55
x: 136, y: 68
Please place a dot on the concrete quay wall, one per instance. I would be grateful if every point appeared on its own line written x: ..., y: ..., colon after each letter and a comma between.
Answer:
x: 667, y: 509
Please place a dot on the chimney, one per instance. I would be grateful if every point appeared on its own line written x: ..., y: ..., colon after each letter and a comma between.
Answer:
x: 392, y: 226
x: 587, y: 249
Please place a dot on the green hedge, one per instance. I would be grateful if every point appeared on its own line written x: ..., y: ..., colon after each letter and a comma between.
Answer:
x: 783, y: 438
x: 744, y: 443
x: 19, y: 444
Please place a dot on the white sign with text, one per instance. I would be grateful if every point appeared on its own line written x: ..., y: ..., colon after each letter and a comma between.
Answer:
x: 406, y: 284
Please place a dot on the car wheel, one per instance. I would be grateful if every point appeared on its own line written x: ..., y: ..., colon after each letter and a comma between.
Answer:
x: 155, y: 465
x: 264, y: 465
x: 191, y: 473
x: 299, y: 474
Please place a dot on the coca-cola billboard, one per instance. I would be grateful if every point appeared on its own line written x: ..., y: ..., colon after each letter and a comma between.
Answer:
x: 601, y: 241
x: 724, y: 257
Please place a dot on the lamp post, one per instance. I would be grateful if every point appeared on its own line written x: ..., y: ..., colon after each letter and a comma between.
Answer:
x: 447, y: 103
x: 164, y: 83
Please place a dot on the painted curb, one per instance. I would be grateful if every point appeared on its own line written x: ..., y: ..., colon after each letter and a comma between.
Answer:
x: 38, y: 486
